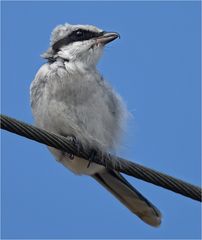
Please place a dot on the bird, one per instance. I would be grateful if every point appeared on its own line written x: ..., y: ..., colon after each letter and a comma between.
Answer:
x: 71, y: 98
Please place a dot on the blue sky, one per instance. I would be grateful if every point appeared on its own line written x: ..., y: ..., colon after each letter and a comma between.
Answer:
x: 155, y: 67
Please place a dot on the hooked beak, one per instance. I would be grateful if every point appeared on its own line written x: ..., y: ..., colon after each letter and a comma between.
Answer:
x: 107, y: 37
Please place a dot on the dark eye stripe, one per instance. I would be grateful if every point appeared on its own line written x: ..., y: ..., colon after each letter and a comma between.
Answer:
x: 75, y: 36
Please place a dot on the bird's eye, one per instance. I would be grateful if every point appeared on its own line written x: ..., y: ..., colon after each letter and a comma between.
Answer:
x: 79, y: 33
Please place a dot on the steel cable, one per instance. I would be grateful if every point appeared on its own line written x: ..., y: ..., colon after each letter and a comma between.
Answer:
x: 105, y: 159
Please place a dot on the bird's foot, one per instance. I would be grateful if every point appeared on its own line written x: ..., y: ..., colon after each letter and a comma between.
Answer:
x: 74, y: 141
x: 91, y: 157
x: 69, y: 155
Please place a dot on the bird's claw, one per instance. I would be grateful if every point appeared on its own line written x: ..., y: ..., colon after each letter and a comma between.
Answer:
x: 69, y: 155
x: 91, y: 157
x: 74, y: 141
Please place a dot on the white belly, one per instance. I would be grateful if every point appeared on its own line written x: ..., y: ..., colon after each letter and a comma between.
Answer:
x: 77, y: 165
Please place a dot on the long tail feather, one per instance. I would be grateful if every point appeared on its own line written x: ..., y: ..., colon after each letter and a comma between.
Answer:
x: 129, y: 196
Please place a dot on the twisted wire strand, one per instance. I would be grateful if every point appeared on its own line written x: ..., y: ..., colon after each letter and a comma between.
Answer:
x: 105, y: 159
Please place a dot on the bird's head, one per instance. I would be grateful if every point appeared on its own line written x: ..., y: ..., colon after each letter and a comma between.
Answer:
x: 78, y: 43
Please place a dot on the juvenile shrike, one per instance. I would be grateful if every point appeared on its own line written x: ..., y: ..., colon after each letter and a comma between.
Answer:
x: 70, y: 97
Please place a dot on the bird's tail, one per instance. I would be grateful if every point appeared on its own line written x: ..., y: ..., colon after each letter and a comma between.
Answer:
x: 129, y: 196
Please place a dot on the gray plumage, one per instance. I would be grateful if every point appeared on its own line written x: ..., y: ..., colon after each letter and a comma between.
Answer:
x: 70, y: 97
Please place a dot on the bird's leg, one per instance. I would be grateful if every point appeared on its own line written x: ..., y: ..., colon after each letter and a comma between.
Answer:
x: 93, y: 154
x: 69, y: 155
x: 74, y: 141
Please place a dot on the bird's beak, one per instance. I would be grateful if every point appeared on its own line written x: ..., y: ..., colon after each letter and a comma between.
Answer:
x: 107, y: 37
